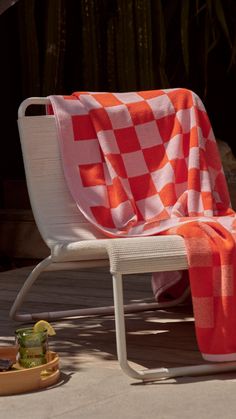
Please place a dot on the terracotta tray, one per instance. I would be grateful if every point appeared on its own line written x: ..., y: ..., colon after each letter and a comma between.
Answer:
x: 22, y: 380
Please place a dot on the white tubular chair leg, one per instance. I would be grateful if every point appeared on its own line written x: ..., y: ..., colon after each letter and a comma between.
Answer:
x: 120, y: 326
x: 153, y: 374
x: 42, y: 266
x: 48, y: 265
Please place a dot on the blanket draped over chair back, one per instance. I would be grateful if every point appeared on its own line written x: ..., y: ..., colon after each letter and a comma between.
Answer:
x: 146, y: 163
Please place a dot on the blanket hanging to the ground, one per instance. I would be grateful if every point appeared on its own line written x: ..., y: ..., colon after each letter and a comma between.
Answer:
x: 147, y: 163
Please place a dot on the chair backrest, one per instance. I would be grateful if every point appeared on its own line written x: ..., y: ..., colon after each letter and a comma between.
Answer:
x: 56, y: 214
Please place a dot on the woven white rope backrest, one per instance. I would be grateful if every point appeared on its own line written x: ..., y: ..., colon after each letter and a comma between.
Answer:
x: 56, y: 214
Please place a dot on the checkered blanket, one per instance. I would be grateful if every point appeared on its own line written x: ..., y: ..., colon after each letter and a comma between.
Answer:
x: 146, y: 163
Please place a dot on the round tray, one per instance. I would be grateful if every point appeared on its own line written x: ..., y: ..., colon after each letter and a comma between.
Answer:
x: 22, y: 380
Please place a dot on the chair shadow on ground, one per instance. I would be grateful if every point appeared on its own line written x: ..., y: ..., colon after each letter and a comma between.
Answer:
x: 160, y: 338
x: 150, y: 343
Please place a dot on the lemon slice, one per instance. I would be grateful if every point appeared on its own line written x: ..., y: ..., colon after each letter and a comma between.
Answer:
x: 42, y: 325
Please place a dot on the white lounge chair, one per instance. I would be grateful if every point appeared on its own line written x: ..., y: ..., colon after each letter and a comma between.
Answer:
x: 75, y: 243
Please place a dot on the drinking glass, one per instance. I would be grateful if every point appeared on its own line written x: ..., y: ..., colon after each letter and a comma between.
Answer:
x: 32, y: 347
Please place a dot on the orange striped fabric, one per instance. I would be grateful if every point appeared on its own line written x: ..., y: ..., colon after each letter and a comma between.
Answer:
x: 146, y: 163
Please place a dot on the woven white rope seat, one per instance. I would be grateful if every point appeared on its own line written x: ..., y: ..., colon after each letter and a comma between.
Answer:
x: 74, y: 243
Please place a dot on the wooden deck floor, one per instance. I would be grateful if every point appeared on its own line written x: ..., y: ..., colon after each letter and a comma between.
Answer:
x: 155, y: 338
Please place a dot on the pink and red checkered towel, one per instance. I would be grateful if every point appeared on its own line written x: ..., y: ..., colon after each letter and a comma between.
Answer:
x: 146, y: 163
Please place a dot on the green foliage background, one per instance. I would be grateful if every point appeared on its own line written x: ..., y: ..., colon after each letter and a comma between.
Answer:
x: 123, y: 44
x: 59, y: 46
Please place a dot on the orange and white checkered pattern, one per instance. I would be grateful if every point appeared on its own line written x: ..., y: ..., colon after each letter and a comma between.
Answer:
x: 145, y: 163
